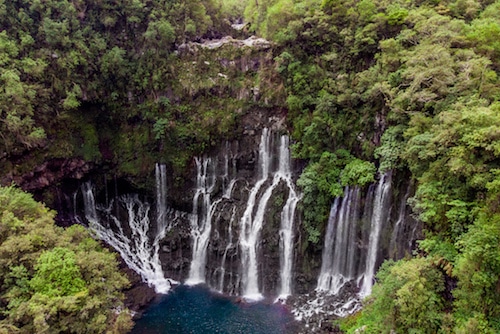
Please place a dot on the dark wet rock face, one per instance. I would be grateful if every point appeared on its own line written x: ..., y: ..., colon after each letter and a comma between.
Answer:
x: 139, y: 295
x: 52, y: 172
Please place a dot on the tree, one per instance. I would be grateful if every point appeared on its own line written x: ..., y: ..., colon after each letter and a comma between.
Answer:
x: 18, y: 99
x: 56, y: 274
x: 406, y: 299
x: 477, y: 305
x: 55, y: 280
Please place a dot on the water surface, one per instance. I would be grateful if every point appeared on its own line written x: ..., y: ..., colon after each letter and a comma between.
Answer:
x: 193, y: 310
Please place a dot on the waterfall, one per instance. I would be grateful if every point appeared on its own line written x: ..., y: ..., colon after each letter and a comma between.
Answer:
x: 230, y: 245
x: 342, y: 259
x: 349, y: 266
x: 325, y: 275
x: 253, y: 218
x: 380, y: 214
x: 340, y: 252
x: 287, y: 221
x: 204, y: 209
x: 395, y: 250
x: 132, y: 240
x: 250, y: 226
x: 201, y: 219
x: 161, y: 194
x: 249, y: 242
x: 163, y: 224
x: 221, y: 271
x: 222, y: 268
x: 358, y: 236
x: 90, y: 210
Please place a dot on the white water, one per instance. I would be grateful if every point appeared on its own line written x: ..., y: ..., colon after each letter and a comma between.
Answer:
x: 136, y: 248
x: 380, y: 215
x: 340, y: 252
x: 204, y: 209
x: 250, y: 226
x: 222, y: 268
x: 201, y: 219
x: 249, y: 242
x: 161, y: 195
x: 399, y: 227
x: 287, y: 221
x: 254, y: 217
x: 325, y: 276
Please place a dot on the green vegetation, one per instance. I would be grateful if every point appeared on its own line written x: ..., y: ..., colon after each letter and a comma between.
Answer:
x: 368, y: 85
x: 81, y: 78
x: 324, y: 180
x: 55, y: 280
x: 407, y: 299
x: 409, y: 85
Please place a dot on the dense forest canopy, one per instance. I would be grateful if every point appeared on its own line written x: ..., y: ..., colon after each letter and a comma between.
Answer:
x: 55, y: 280
x: 368, y: 85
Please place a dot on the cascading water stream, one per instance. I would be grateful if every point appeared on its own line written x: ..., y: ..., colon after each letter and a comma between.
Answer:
x: 90, y: 210
x: 136, y: 248
x: 250, y: 227
x: 350, y: 235
x: 287, y: 221
x: 250, y: 245
x: 380, y: 214
x: 161, y: 194
x: 222, y: 268
x: 254, y: 216
x: 340, y: 252
x: 399, y: 226
x: 325, y: 276
x: 230, y: 245
x: 163, y: 224
x: 201, y: 219
x: 203, y: 213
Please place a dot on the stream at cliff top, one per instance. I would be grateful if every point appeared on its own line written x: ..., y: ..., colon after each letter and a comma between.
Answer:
x: 196, y: 309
